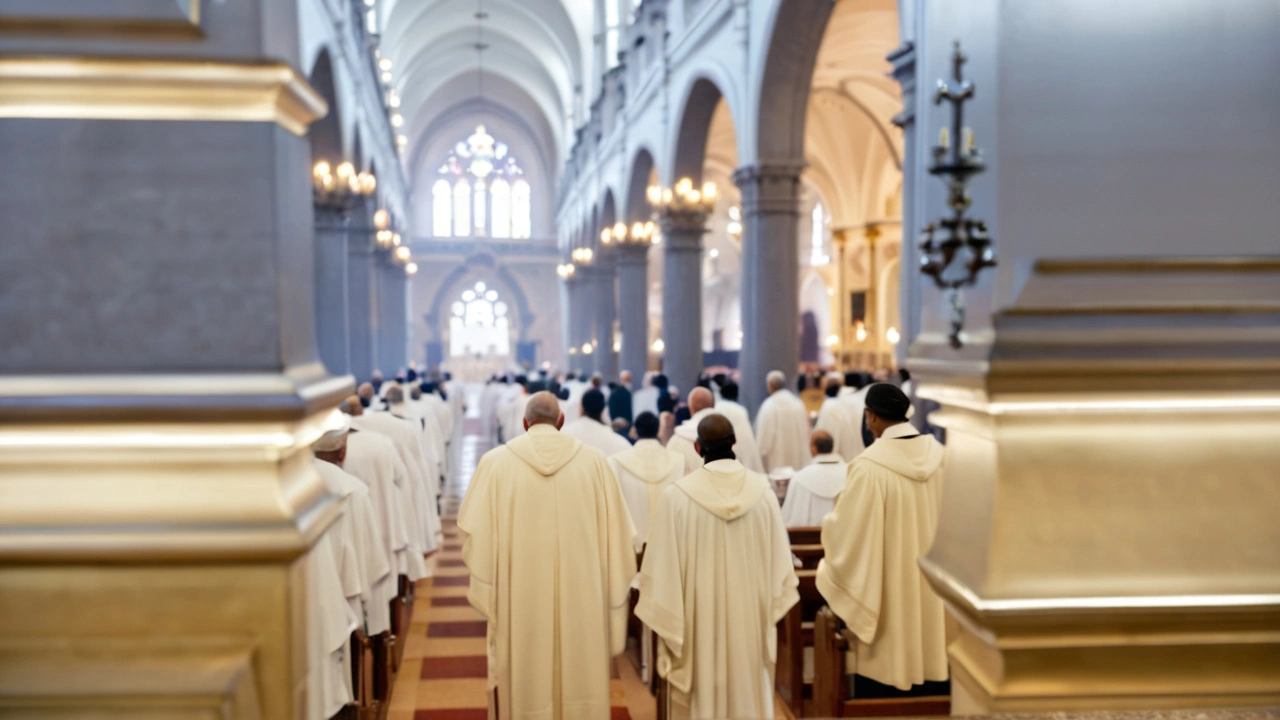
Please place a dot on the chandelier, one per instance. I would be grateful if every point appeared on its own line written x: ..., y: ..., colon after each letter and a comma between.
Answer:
x: 683, y: 198
x: 339, y: 188
x: 638, y: 234
x: 582, y: 256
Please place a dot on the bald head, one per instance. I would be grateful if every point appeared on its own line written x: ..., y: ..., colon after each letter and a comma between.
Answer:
x: 543, y: 409
x: 365, y: 391
x: 821, y: 443
x: 701, y: 399
x: 715, y: 438
x: 352, y: 406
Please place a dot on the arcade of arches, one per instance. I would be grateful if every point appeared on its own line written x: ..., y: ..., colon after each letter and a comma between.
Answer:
x: 227, y: 216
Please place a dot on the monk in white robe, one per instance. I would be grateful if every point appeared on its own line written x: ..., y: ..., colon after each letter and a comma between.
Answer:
x: 782, y: 427
x: 884, y: 520
x: 373, y: 458
x: 433, y: 440
x: 646, y: 398
x: 643, y: 472
x: 489, y: 397
x: 717, y: 578
x: 812, y: 491
x: 409, y: 445
x: 548, y: 542
x: 591, y: 429
x: 684, y: 439
x: 511, y: 412
x: 834, y: 418
x: 747, y: 451
x: 330, y: 623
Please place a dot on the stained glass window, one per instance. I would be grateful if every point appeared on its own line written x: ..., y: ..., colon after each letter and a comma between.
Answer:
x: 500, y: 208
x: 521, y: 210
x: 462, y: 208
x: 490, y: 197
x: 441, y: 208
x: 818, y: 237
x: 478, y: 323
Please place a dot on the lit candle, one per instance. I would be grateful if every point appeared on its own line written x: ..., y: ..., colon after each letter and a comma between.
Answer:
x: 944, y: 139
x: 968, y: 139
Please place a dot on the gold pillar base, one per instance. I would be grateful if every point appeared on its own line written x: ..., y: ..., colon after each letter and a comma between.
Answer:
x: 1108, y: 535
x: 153, y: 567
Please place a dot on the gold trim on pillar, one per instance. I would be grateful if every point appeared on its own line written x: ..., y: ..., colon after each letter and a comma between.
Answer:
x: 157, y: 89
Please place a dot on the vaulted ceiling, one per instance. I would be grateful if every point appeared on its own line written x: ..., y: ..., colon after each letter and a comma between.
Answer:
x: 531, y: 72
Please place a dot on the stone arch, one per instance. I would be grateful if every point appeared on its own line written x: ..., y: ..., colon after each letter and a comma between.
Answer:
x: 485, y: 267
x: 325, y: 134
x: 608, y: 213
x: 637, y: 207
x: 783, y: 94
x: 694, y: 126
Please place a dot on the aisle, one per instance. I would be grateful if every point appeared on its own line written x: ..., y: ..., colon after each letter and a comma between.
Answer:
x: 444, y: 669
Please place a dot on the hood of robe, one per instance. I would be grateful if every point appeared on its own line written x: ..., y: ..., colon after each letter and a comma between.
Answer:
x: 650, y: 461
x: 828, y: 482
x: 689, y: 428
x: 545, y: 449
x: 725, y: 488
x: 915, y: 458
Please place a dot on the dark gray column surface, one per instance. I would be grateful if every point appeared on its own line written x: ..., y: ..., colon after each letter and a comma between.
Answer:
x: 363, y: 350
x: 604, y: 308
x: 331, y: 291
x: 770, y: 275
x: 633, y: 311
x: 682, y: 298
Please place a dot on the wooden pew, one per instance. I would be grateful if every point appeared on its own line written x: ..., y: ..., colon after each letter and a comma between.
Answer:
x: 795, y: 630
x: 362, y: 677
x: 830, y: 685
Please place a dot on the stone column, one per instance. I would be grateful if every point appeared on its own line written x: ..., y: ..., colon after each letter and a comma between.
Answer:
x: 331, y: 290
x: 160, y: 381
x: 392, y: 314
x: 682, y: 297
x: 577, y: 316
x: 361, y: 284
x: 770, y: 275
x: 604, y: 304
x: 904, y: 71
x: 633, y: 309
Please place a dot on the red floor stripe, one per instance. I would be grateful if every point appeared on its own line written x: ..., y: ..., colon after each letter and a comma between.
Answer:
x: 454, y: 581
x: 449, y: 602
x: 452, y: 714
x: 460, y: 629
x: 619, y: 713
x: 439, y: 668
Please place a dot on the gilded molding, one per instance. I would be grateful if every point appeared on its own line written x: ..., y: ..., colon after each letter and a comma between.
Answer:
x: 157, y: 89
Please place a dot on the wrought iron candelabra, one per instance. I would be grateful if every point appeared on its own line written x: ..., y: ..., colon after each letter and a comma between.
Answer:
x: 966, y: 242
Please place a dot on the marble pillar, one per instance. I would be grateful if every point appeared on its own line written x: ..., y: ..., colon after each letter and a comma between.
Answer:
x: 604, y: 302
x: 633, y: 309
x: 577, y: 316
x: 331, y: 290
x: 392, y: 314
x: 770, y: 275
x: 361, y: 302
x: 682, y: 297
x: 160, y: 377
x: 903, y: 60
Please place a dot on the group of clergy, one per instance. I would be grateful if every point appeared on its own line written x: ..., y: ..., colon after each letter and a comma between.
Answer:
x: 554, y: 519
x: 384, y: 455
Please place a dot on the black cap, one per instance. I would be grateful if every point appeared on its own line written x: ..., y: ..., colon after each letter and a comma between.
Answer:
x: 888, y: 402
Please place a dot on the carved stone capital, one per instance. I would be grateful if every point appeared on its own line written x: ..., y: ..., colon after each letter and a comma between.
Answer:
x: 683, y: 230
x: 769, y: 188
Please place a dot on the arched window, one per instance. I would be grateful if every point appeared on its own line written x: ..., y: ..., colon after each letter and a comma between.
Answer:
x: 612, y: 33
x: 521, y: 210
x: 480, y: 210
x: 818, y: 254
x: 441, y: 208
x: 462, y: 209
x: 497, y: 200
x: 500, y: 208
x: 478, y: 323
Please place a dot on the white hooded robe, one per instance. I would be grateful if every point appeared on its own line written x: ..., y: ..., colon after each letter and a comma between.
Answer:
x: 717, y: 578
x: 643, y: 472
x: 744, y: 447
x: 836, y: 418
x: 812, y: 491
x: 377, y: 584
x: 597, y: 435
x: 408, y: 442
x: 548, y: 541
x: 884, y: 520
x: 373, y: 458
x: 782, y: 431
